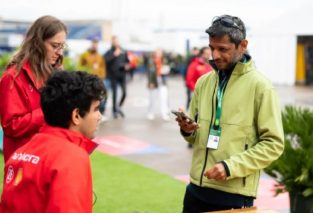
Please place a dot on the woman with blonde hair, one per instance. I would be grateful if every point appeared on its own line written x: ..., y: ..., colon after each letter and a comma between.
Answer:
x: 40, y: 54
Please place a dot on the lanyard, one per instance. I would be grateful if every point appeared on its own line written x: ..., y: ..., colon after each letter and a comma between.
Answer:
x: 219, y: 97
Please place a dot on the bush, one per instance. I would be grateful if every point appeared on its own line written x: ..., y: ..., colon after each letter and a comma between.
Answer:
x: 4, y: 61
x: 69, y: 64
x: 294, y: 169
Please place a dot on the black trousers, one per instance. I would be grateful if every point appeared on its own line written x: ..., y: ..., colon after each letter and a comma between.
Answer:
x: 115, y: 82
x: 194, y: 205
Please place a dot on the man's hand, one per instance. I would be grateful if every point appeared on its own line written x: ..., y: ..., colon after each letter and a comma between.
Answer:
x: 127, y: 67
x: 187, y: 125
x: 217, y: 172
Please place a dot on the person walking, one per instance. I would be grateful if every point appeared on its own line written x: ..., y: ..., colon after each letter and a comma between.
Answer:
x: 117, y: 64
x: 40, y: 54
x: 157, y: 72
x: 237, y: 128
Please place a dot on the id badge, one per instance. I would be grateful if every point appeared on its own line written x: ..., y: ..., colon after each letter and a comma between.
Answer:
x: 214, y: 138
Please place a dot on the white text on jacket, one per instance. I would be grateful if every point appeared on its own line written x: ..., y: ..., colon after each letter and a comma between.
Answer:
x: 26, y: 157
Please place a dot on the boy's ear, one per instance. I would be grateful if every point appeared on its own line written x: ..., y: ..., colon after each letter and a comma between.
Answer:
x: 75, y: 117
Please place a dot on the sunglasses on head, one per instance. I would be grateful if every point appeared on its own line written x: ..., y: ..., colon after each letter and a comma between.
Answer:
x: 225, y: 21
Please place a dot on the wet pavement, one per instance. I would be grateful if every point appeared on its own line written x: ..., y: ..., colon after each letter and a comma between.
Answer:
x: 168, y: 152
x: 157, y: 144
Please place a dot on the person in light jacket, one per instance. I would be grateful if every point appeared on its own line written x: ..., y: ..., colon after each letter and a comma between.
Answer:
x: 238, y: 128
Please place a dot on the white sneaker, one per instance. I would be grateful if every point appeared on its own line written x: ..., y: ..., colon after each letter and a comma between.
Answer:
x: 104, y: 119
x: 150, y: 116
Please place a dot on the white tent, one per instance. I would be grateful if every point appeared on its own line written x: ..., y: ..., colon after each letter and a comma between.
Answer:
x: 273, y: 46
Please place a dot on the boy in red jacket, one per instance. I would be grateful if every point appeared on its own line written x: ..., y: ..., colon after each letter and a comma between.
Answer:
x: 51, y: 173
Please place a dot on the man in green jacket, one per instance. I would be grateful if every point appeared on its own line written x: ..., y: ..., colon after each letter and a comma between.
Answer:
x: 237, y: 128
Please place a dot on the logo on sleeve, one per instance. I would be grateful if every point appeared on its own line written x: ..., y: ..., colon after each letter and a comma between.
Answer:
x: 10, y: 175
x: 19, y: 176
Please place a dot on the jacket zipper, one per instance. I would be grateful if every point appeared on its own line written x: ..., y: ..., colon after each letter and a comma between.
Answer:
x: 244, y: 179
x: 207, y: 149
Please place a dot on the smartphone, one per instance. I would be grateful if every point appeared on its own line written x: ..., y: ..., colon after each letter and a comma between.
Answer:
x: 182, y: 115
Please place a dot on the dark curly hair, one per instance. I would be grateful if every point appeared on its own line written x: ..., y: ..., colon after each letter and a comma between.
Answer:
x: 228, y: 25
x: 65, y: 91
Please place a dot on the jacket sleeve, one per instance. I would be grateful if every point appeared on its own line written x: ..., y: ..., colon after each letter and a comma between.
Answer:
x: 71, y: 184
x: 193, y: 111
x: 17, y: 117
x: 270, y: 143
x: 102, y: 68
x: 82, y: 60
x: 127, y: 61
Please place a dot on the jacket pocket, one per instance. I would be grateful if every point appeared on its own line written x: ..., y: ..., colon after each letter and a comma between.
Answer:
x: 203, y: 133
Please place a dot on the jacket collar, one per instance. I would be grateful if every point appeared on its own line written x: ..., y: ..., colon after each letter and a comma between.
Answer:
x: 28, y: 70
x: 72, y: 136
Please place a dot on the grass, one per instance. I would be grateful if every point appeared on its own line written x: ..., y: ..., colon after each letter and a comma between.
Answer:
x: 1, y: 171
x: 121, y: 186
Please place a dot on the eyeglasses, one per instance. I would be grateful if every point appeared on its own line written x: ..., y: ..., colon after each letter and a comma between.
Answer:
x: 225, y: 21
x: 58, y: 46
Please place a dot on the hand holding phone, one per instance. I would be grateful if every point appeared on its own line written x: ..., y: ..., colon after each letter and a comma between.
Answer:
x: 187, y: 124
x: 182, y: 115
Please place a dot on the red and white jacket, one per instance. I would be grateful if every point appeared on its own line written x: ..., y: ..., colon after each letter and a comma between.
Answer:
x: 50, y: 173
x: 20, y: 112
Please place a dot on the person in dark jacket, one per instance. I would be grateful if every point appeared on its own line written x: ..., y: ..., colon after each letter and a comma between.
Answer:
x: 117, y: 64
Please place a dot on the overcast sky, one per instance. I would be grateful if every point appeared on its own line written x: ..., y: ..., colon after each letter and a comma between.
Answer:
x: 144, y: 15
x: 179, y: 11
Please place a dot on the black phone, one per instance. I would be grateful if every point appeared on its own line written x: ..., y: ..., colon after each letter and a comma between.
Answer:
x: 182, y: 115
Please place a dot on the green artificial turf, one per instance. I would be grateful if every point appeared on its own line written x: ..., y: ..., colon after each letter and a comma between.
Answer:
x: 121, y: 186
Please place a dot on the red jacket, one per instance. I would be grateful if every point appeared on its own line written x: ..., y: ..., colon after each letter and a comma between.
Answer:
x: 51, y: 173
x: 20, y: 112
x: 195, y: 70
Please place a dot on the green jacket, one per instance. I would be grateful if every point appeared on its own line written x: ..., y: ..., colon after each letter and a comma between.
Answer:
x: 252, y: 133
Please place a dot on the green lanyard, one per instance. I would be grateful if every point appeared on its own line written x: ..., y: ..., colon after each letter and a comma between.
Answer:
x: 219, y: 97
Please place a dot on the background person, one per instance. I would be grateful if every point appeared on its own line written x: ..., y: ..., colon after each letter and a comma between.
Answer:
x: 198, y: 67
x: 194, y: 54
x: 117, y: 64
x: 93, y: 62
x: 40, y: 54
x: 51, y: 173
x: 239, y: 130
x: 157, y: 72
x: 152, y: 85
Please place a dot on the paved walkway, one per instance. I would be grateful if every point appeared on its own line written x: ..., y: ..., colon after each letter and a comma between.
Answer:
x: 158, y: 145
